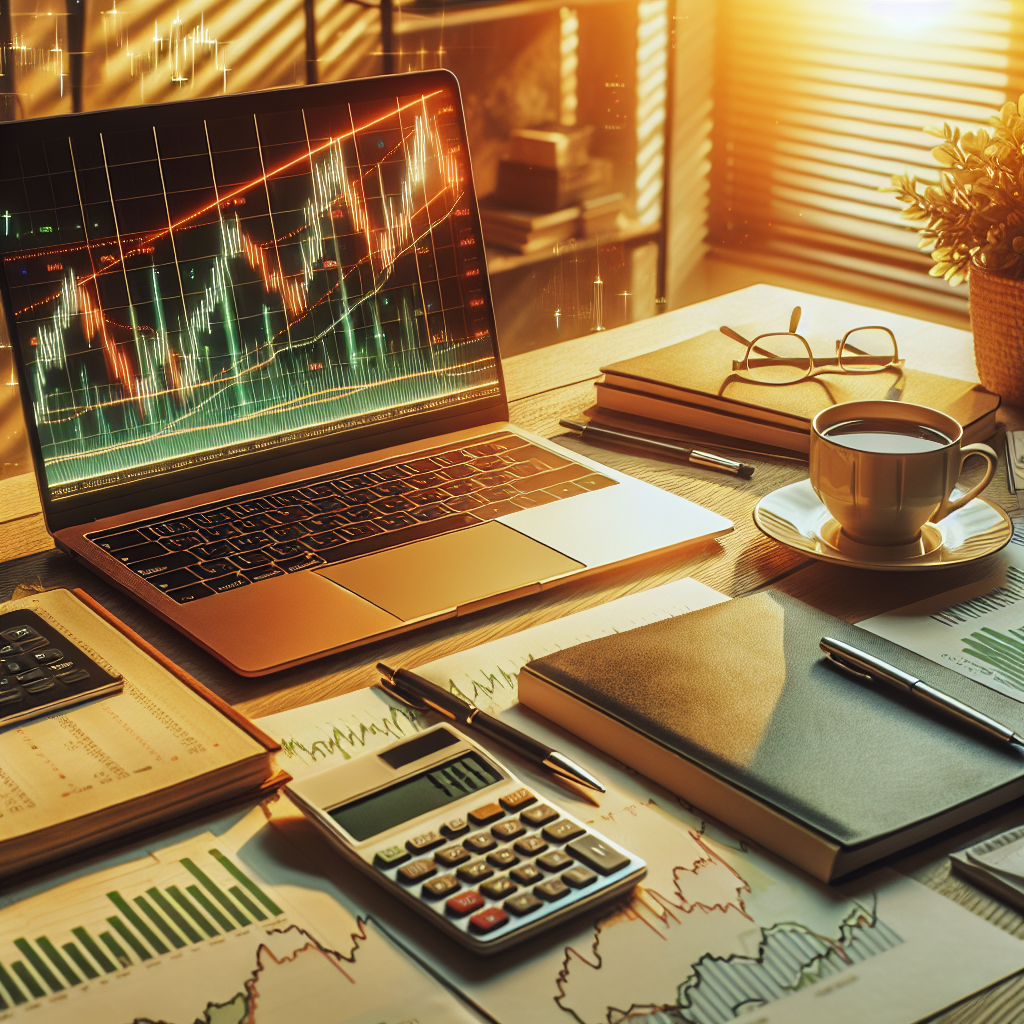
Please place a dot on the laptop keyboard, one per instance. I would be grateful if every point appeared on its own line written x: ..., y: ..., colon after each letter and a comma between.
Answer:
x: 245, y: 540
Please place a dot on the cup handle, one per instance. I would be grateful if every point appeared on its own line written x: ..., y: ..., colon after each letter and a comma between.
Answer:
x: 966, y: 452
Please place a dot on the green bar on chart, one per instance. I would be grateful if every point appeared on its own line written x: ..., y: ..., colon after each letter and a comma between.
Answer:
x: 190, y: 908
x: 183, y: 926
x: 93, y: 949
x: 122, y: 929
x: 242, y: 877
x: 247, y: 903
x: 169, y: 933
x: 35, y: 989
x: 17, y: 996
x: 40, y: 968
x: 215, y: 891
x: 112, y: 944
x: 136, y: 922
x: 200, y: 897
x: 80, y: 962
x: 57, y: 960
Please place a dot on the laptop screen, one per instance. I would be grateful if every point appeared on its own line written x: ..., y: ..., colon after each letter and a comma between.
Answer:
x: 202, y: 282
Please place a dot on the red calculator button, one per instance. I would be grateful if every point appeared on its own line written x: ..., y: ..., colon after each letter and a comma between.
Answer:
x: 465, y: 903
x: 489, y: 919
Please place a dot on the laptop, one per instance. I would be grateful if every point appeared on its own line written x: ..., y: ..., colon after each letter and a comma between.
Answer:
x: 260, y: 372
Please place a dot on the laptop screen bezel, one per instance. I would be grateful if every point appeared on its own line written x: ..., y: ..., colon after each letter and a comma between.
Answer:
x: 119, y: 499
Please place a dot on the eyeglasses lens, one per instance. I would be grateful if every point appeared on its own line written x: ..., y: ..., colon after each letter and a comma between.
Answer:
x: 789, y: 359
x: 867, y: 350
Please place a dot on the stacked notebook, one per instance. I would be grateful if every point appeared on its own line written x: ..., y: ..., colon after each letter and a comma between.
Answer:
x: 164, y: 748
x: 735, y: 709
x: 693, y: 385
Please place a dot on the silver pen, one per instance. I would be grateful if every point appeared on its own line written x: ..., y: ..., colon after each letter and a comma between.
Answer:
x: 862, y: 664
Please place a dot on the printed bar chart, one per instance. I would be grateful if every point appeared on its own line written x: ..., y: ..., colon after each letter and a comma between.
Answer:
x: 149, y: 924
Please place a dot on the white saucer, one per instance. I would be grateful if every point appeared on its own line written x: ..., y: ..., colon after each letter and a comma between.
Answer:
x: 793, y: 515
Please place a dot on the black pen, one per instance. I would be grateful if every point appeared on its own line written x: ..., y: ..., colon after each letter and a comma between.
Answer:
x: 424, y: 695
x: 859, y: 663
x: 707, y: 460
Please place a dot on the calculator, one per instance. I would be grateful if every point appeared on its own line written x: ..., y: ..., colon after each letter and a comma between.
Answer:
x: 42, y: 670
x: 449, y: 830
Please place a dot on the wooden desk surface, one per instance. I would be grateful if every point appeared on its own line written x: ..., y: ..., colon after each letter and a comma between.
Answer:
x: 558, y: 381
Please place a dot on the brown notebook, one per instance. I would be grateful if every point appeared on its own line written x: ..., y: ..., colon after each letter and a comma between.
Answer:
x: 734, y: 708
x: 692, y: 384
x: 164, y: 748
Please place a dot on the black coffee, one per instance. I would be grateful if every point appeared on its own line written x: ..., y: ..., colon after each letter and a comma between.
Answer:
x: 895, y: 437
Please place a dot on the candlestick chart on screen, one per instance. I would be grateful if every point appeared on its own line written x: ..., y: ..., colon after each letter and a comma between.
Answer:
x: 187, y: 291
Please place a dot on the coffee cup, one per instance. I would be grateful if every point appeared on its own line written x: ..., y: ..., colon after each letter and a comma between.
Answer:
x: 884, y: 469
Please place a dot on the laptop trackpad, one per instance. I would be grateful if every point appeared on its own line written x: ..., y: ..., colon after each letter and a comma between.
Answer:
x: 454, y: 569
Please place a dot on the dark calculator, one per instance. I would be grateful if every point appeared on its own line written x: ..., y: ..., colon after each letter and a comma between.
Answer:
x: 42, y: 671
x: 450, y: 831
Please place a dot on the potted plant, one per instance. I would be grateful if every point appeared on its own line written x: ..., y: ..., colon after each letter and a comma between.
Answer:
x: 975, y: 223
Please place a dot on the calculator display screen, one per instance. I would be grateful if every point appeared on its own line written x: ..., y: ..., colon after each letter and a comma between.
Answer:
x: 416, y: 795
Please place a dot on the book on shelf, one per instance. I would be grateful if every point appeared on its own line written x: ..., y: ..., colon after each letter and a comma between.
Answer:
x: 546, y: 189
x: 692, y: 384
x: 163, y: 749
x: 554, y: 146
x: 735, y: 709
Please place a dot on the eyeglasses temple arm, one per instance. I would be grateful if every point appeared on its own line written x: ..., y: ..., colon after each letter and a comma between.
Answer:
x: 794, y: 319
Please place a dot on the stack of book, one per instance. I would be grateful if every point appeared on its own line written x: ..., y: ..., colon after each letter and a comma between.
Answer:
x: 693, y: 385
x: 550, y: 168
x: 526, y: 231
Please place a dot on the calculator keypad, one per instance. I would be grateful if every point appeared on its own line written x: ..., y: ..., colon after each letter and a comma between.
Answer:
x: 523, y: 856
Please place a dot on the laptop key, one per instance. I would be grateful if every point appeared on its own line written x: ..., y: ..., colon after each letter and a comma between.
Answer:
x: 390, y: 473
x: 225, y: 583
x: 306, y: 561
x: 182, y: 542
x: 221, y: 532
x: 460, y: 487
x: 221, y: 549
x: 141, y: 552
x: 173, y: 579
x: 155, y: 566
x: 257, y: 522
x: 218, y: 517
x: 120, y: 540
x: 427, y: 497
x: 315, y: 491
x: 357, y: 530
x: 187, y: 594
x: 428, y: 512
x: 172, y: 528
x: 392, y: 487
x: 253, y: 560
x: 395, y: 521
x: 252, y: 542
x: 323, y: 540
x: 264, y: 572
x: 289, y: 549
x: 362, y: 496
x: 290, y: 514
x: 211, y: 570
x: 396, y: 504
x: 426, y: 480
x: 354, y: 480
x: 357, y: 513
x: 289, y: 532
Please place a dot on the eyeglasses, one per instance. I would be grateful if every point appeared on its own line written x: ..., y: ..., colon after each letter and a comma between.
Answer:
x: 784, y: 357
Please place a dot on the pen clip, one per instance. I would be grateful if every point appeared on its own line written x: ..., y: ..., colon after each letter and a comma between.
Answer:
x: 389, y: 688
x: 847, y: 667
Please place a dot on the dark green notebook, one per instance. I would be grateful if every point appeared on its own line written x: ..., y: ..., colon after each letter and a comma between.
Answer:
x: 734, y: 708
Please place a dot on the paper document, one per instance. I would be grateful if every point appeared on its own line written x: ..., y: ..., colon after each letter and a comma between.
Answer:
x: 155, y: 734
x: 192, y: 935
x: 717, y: 931
x: 977, y: 630
x: 341, y: 727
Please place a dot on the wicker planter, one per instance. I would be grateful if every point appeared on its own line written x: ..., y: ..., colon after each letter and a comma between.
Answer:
x: 997, y: 320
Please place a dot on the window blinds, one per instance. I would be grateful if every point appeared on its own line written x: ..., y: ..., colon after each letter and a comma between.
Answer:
x: 818, y: 103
